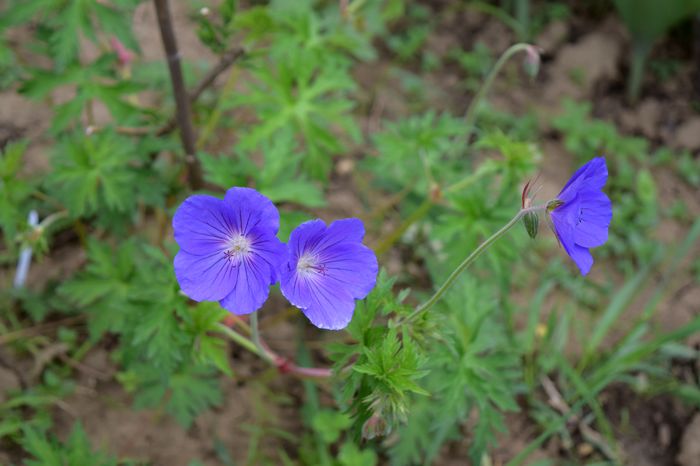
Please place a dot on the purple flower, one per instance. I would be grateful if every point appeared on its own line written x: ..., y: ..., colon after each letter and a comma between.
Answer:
x: 229, y: 251
x: 328, y: 269
x: 582, y: 213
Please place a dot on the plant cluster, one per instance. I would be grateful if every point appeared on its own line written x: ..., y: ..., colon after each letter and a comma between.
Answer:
x: 429, y: 355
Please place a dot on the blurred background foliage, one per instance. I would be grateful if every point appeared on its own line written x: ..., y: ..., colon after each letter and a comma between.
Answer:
x: 315, y: 102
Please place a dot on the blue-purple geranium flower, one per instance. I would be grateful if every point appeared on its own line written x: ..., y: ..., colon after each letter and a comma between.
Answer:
x: 582, y: 213
x: 229, y: 251
x: 328, y: 269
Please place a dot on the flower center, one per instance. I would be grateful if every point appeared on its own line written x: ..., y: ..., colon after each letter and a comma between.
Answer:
x: 309, y: 264
x: 238, y: 247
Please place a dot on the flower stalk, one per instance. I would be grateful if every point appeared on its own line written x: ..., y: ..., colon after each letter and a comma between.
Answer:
x: 255, y: 334
x: 470, y: 115
x: 466, y: 263
x: 258, y: 347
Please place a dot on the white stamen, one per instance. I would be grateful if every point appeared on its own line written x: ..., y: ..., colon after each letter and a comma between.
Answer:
x: 238, y: 247
x: 309, y: 264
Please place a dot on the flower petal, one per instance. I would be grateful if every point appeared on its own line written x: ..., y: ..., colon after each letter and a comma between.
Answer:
x: 330, y: 307
x: 340, y: 270
x: 265, y: 247
x: 591, y: 176
x: 251, y: 287
x: 202, y: 224
x: 594, y: 219
x: 341, y: 231
x: 565, y: 231
x: 582, y: 257
x: 204, y: 277
x: 305, y: 236
x: 351, y: 266
x: 252, y: 209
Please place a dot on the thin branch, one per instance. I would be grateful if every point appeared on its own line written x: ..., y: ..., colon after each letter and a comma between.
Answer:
x: 182, y: 101
x: 227, y: 59
x: 28, y: 332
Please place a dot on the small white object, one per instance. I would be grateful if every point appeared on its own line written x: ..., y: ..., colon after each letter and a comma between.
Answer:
x: 25, y: 255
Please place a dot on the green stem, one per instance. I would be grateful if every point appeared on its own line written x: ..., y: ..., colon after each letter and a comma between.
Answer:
x: 483, y: 170
x: 422, y: 210
x: 498, y: 13
x: 241, y: 340
x: 215, y: 115
x: 54, y: 217
x: 522, y: 14
x: 640, y: 52
x: 256, y: 347
x: 255, y: 334
x: 466, y: 263
x: 394, y: 236
x: 470, y: 115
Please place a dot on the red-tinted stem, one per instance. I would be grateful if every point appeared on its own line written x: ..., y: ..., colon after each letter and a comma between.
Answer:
x: 283, y: 365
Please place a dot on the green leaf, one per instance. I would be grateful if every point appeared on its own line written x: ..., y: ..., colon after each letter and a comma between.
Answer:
x: 298, y: 192
x: 14, y: 193
x: 647, y: 20
x: 330, y: 424
x: 95, y: 174
x: 76, y: 451
x: 191, y: 392
x: 351, y: 455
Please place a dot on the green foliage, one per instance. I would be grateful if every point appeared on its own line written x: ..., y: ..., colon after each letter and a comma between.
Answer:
x: 475, y: 63
x: 101, y: 174
x: 290, y: 104
x: 188, y: 391
x: 386, y: 368
x: 30, y: 409
x: 471, y: 369
x: 64, y: 23
x: 411, y: 40
x: 413, y: 150
x: 76, y: 450
x: 9, y: 67
x: 305, y: 83
x: 329, y: 425
x: 14, y: 193
x: 647, y: 21
x: 216, y: 30
x: 165, y: 347
x: 297, y: 92
x: 282, y: 179
x: 394, y: 366
x: 351, y: 455
x: 96, y: 82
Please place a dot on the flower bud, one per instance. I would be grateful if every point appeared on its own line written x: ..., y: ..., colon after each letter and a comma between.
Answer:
x: 375, y: 426
x: 532, y: 222
x: 532, y: 61
x: 123, y: 55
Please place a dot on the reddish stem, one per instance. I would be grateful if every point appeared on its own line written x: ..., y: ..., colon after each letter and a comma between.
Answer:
x: 284, y: 365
